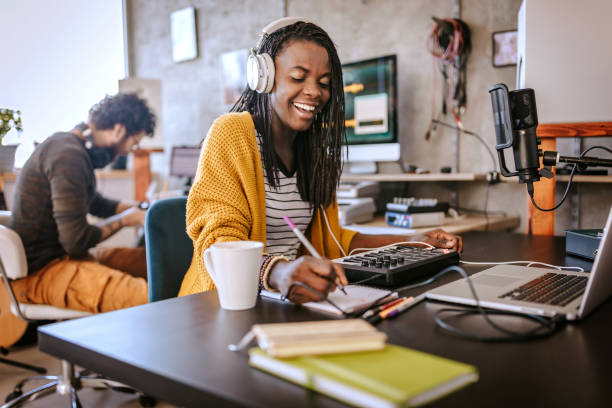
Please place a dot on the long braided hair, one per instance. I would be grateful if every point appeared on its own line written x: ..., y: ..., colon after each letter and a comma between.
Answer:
x: 318, y: 150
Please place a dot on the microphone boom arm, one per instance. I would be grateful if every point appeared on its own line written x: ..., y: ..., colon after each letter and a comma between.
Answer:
x: 551, y: 158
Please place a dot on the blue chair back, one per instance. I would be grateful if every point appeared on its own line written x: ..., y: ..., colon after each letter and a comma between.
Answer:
x: 169, y: 249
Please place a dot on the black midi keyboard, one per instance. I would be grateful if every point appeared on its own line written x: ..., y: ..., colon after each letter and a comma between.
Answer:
x: 396, y: 265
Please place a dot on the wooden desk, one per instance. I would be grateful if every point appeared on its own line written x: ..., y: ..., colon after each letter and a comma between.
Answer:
x: 462, y: 224
x: 176, y: 349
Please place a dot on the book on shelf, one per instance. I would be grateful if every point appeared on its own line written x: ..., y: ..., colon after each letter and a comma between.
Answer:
x: 318, y: 337
x: 357, y: 298
x: 391, y: 377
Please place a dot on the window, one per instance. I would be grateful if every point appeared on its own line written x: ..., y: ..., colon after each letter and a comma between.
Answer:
x: 59, y: 59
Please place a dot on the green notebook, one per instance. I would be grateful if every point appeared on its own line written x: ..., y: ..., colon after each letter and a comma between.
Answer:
x: 392, y: 377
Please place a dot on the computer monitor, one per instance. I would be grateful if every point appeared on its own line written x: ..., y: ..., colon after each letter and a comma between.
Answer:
x: 370, y: 93
x: 184, y: 161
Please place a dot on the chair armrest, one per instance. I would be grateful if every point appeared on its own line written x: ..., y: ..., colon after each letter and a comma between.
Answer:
x: 12, y: 254
x: 4, y: 217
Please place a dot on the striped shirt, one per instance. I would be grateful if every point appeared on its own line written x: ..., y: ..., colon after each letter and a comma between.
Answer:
x: 280, y: 201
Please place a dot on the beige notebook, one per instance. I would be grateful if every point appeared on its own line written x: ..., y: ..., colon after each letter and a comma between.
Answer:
x: 318, y: 337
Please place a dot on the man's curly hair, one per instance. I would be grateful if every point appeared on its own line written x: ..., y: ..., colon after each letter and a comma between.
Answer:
x: 124, y: 108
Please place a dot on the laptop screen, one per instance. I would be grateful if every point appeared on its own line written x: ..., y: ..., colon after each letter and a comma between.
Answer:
x: 599, y: 287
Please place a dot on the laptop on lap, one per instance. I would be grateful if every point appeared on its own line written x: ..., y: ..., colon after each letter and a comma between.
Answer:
x: 539, y: 291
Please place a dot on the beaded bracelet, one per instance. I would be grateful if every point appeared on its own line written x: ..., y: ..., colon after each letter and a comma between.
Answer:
x: 262, y: 268
x: 266, y: 273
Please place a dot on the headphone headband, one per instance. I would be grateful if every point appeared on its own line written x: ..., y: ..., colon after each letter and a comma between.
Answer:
x: 282, y: 22
x: 277, y: 25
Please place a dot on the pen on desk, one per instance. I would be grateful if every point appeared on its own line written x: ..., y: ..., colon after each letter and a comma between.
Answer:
x: 307, y: 245
x: 382, y: 307
x: 397, y: 309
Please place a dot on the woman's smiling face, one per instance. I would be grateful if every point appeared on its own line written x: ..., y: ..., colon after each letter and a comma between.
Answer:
x: 301, y: 85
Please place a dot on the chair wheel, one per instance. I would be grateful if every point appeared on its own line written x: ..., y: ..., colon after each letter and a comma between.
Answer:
x: 13, y: 395
x: 146, y: 401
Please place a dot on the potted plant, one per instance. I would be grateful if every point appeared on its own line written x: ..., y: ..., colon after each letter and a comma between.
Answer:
x: 9, y: 119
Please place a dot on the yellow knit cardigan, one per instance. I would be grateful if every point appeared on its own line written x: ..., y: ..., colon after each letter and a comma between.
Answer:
x: 227, y: 201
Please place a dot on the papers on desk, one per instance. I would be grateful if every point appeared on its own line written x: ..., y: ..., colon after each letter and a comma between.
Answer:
x: 367, y: 229
x: 358, y: 298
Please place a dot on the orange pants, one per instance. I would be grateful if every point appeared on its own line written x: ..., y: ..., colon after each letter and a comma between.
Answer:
x: 110, y: 279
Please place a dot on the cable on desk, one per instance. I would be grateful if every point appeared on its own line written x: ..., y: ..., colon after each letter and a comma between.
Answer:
x: 545, y: 328
x: 529, y: 263
x: 394, y: 244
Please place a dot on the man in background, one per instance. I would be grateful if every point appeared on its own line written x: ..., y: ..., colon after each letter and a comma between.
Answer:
x: 55, y: 191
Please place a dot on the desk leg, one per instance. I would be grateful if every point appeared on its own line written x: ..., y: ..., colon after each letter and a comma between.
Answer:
x: 142, y: 174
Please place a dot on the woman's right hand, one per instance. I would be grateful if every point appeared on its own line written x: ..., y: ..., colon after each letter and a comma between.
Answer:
x: 321, y: 275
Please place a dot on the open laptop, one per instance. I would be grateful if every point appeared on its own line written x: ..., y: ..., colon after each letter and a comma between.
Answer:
x: 540, y: 291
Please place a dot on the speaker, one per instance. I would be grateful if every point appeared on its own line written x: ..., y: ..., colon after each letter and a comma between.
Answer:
x: 260, y: 67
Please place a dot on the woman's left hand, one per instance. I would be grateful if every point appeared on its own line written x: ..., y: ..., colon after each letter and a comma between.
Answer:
x: 441, y: 239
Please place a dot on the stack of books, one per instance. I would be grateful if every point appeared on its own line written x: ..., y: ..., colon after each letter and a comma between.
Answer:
x: 318, y: 337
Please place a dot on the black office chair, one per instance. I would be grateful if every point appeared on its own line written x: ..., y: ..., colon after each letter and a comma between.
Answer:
x: 169, y: 249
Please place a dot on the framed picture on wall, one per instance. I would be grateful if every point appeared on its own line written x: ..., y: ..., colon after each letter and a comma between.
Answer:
x: 505, y: 48
x: 233, y: 75
x: 183, y: 33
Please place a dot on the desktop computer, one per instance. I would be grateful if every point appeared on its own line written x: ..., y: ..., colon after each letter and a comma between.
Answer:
x: 184, y: 163
x: 370, y: 93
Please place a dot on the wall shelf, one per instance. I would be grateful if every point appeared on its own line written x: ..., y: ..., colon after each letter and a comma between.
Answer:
x: 564, y: 178
x: 463, y: 177
x: 415, y: 177
x: 585, y: 178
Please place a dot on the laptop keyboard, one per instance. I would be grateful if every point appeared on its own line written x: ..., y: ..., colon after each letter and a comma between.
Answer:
x: 552, y: 289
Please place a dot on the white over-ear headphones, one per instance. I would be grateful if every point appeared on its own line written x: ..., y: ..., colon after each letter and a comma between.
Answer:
x: 260, y: 67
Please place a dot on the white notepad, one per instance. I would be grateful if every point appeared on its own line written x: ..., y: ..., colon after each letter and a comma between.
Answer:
x: 357, y: 298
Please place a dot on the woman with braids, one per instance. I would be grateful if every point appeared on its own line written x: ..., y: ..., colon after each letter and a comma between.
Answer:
x: 279, y: 153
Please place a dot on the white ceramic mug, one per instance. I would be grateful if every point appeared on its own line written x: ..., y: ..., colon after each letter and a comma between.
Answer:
x: 234, y: 267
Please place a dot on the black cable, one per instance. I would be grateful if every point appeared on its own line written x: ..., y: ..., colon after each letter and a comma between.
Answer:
x: 467, y: 132
x: 546, y: 327
x: 549, y: 326
x: 486, y: 203
x: 569, y: 183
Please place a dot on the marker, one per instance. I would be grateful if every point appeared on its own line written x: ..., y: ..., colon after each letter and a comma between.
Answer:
x: 382, y: 307
x: 397, y: 309
x: 308, y: 245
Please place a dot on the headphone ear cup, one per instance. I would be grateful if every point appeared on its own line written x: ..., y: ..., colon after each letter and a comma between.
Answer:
x: 260, y: 73
x: 270, y: 72
x: 253, y: 72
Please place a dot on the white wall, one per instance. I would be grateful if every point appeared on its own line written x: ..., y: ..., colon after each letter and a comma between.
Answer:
x: 58, y: 59
x: 568, y: 59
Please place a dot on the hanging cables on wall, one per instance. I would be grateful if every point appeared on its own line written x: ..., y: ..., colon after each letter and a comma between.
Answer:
x: 450, y: 45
